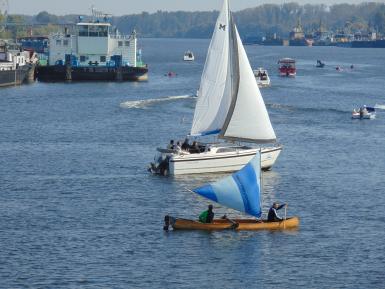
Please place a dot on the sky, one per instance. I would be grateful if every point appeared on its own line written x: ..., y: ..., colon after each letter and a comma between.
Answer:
x: 124, y: 7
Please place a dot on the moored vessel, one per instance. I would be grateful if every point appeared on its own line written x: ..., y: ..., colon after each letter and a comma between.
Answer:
x: 93, y: 51
x: 16, y: 65
x: 297, y: 36
x: 378, y: 43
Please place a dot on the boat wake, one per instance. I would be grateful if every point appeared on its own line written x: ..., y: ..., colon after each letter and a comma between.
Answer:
x: 291, y: 108
x: 147, y: 102
x: 380, y: 106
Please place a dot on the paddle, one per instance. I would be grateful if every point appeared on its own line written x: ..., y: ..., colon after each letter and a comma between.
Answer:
x: 234, y: 224
x: 284, y: 223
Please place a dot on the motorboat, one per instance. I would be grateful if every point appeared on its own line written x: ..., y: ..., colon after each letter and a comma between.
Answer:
x: 229, y: 107
x: 287, y: 67
x: 320, y: 64
x: 262, y: 77
x: 188, y: 56
x: 364, y: 112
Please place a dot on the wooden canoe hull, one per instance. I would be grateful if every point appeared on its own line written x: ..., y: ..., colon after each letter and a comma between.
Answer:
x: 242, y: 224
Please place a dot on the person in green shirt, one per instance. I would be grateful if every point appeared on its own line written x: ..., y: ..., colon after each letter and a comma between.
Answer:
x: 207, y: 216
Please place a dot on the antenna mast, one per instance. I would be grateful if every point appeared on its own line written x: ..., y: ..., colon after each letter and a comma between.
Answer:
x: 97, y: 15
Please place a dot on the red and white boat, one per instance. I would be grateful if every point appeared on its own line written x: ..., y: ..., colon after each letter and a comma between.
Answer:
x: 287, y: 67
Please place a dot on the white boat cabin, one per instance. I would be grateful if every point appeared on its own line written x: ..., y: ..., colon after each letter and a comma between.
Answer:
x: 93, y: 44
x: 11, y: 56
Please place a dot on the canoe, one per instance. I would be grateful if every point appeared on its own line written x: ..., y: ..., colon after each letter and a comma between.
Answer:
x: 235, y: 224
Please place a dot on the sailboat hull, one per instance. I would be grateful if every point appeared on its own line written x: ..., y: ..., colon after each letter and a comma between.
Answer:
x: 212, y: 162
x: 236, y: 224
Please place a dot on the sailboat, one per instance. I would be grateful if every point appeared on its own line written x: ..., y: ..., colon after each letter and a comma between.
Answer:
x: 229, y: 106
x: 241, y: 191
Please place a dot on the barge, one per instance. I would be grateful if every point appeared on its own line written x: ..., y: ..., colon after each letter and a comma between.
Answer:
x: 16, y: 65
x: 94, y: 51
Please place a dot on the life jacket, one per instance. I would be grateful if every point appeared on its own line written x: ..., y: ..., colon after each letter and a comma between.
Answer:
x: 272, y: 216
x: 203, y: 216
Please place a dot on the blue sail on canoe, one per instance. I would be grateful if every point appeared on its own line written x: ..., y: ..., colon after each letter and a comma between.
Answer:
x: 240, y: 191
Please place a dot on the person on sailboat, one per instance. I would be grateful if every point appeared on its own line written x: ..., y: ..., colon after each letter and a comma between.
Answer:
x: 185, y: 145
x: 178, y: 147
x: 273, y: 214
x: 171, y: 145
x: 207, y: 216
x: 194, y: 149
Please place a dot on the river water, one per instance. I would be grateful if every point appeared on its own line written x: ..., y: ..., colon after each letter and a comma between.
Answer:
x: 79, y: 210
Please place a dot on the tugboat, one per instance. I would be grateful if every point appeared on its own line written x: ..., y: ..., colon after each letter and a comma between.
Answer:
x: 287, y: 67
x: 16, y: 65
x: 95, y: 51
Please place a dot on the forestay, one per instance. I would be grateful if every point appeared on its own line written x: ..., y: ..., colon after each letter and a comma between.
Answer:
x: 240, y: 191
x: 247, y: 119
x: 214, y: 95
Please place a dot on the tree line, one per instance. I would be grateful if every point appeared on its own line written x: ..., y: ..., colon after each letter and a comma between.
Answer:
x: 252, y: 22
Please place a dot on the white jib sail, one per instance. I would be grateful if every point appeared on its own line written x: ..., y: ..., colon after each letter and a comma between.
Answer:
x: 247, y: 118
x: 213, y: 99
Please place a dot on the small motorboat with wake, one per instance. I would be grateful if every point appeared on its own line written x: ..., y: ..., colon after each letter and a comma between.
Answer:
x: 188, y: 56
x: 364, y: 112
x: 262, y: 77
x: 241, y: 191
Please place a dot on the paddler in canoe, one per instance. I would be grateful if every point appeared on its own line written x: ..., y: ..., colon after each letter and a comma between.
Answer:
x: 273, y: 214
x: 207, y: 216
x: 240, y: 191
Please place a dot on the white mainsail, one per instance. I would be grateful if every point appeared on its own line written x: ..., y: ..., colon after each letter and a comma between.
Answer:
x: 214, y: 97
x: 247, y: 119
x: 229, y: 101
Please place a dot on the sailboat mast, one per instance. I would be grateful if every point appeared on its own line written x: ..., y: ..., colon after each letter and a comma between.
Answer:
x: 234, y: 73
